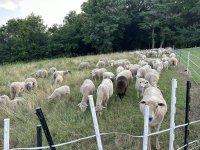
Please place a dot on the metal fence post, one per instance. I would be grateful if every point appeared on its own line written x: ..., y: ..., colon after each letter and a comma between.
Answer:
x: 146, y: 127
x: 6, y: 133
x: 39, y: 136
x: 172, y: 115
x: 41, y: 117
x: 95, y: 122
x: 187, y: 109
x: 188, y: 63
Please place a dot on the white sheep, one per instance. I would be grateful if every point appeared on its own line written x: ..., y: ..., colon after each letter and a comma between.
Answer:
x: 119, y: 69
x: 58, y: 92
x: 108, y: 75
x: 40, y: 74
x: 173, y: 61
x: 127, y: 74
x: 58, y: 79
x: 141, y: 72
x: 18, y: 101
x: 4, y: 100
x: 152, y: 76
x: 52, y: 70
x: 140, y: 86
x: 134, y: 69
x: 172, y: 55
x: 62, y: 73
x: 158, y: 65
x: 165, y: 65
x: 142, y: 63
x: 33, y: 80
x: 100, y: 64
x: 104, y: 92
x: 87, y: 88
x: 98, y: 73
x: 83, y: 65
x: 157, y: 110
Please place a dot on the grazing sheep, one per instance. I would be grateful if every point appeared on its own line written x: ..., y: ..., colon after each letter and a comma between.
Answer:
x: 140, y: 86
x: 62, y: 73
x: 83, y: 65
x: 141, y: 72
x: 157, y: 110
x: 86, y: 89
x: 33, y: 80
x: 127, y: 74
x: 58, y: 79
x: 165, y: 65
x: 40, y: 74
x: 52, y: 70
x: 100, y: 64
x: 108, y: 75
x: 105, y: 60
x: 58, y: 92
x: 152, y: 76
x: 17, y: 88
x: 121, y: 86
x: 173, y: 61
x: 97, y: 74
x: 4, y: 100
x: 104, y: 92
x: 119, y: 69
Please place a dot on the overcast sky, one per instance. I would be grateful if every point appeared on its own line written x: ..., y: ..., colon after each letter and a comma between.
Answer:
x: 52, y: 11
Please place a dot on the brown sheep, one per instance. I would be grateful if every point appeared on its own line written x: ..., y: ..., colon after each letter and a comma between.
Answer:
x: 121, y: 85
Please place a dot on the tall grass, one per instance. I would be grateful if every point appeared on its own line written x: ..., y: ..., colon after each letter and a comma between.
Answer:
x: 64, y: 118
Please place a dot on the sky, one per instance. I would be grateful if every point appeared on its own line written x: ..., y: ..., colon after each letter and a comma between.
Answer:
x: 52, y: 11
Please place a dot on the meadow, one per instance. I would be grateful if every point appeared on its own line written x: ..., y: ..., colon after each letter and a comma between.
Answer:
x: 65, y: 120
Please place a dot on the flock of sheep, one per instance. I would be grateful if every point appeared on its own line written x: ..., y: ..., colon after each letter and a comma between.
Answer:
x: 146, y: 73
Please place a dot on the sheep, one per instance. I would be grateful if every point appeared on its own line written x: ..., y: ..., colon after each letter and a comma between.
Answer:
x: 157, y: 110
x: 62, y: 73
x: 100, y: 64
x: 33, y: 80
x: 158, y: 65
x: 120, y: 62
x: 127, y: 74
x: 4, y: 100
x: 87, y: 88
x: 119, y: 69
x: 108, y: 75
x: 140, y: 86
x: 58, y: 92
x: 17, y: 88
x: 142, y: 63
x: 40, y: 74
x: 104, y: 92
x: 141, y: 72
x: 152, y: 76
x: 121, y: 86
x: 134, y: 69
x: 58, y: 79
x: 83, y: 65
x: 165, y: 65
x: 105, y: 60
x: 172, y: 55
x: 98, y: 73
x: 52, y: 70
x: 173, y: 61
x: 18, y: 101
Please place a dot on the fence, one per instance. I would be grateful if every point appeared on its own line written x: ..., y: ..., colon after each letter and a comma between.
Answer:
x: 98, y: 135
x: 192, y: 64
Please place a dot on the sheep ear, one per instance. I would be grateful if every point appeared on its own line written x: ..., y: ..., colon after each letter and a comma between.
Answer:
x: 143, y: 102
x: 161, y: 104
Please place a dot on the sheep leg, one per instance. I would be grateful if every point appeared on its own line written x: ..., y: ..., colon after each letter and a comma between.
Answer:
x: 149, y: 140
x: 157, y: 137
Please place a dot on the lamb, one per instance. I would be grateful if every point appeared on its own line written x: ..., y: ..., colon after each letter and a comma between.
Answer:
x: 127, y: 74
x: 4, y: 100
x: 119, y: 69
x: 104, y: 92
x: 140, y: 86
x: 52, y: 70
x: 98, y: 73
x: 121, y: 86
x: 108, y: 75
x: 58, y: 92
x: 157, y: 110
x: 173, y: 61
x: 87, y: 88
x: 83, y: 65
x: 100, y: 64
x: 40, y: 74
x: 17, y: 88
x: 152, y: 76
x: 33, y: 80
x: 141, y: 72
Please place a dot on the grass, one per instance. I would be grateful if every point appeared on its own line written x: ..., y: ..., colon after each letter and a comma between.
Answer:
x: 64, y: 118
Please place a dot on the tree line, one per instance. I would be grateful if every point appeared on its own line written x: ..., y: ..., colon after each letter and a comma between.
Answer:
x: 103, y: 26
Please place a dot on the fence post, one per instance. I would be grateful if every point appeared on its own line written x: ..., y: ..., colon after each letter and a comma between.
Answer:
x: 187, y: 109
x: 146, y: 127
x: 39, y: 136
x: 95, y: 122
x: 172, y: 115
x: 45, y: 128
x: 6, y: 133
x: 188, y: 63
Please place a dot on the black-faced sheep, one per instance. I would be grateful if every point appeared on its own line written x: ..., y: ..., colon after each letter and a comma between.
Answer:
x: 121, y: 86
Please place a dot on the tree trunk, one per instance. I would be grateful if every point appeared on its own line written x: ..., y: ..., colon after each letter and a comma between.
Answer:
x: 153, y: 38
x: 163, y: 39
